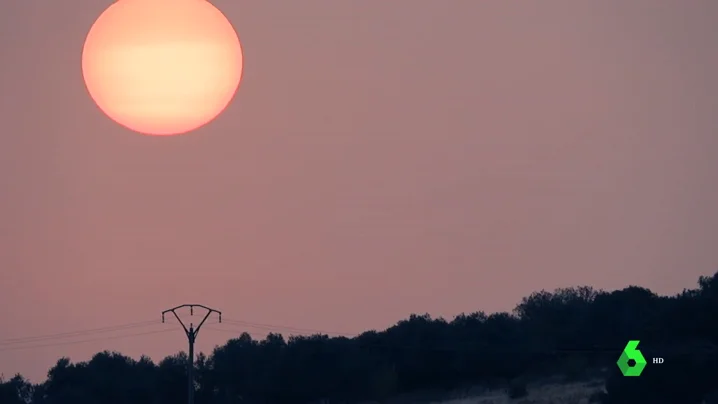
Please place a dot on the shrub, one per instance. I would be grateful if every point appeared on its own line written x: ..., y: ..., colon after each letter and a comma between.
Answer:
x: 517, y: 389
x: 598, y: 397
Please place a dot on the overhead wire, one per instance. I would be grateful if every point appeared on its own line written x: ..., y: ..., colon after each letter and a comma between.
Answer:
x: 35, y: 341
x: 35, y: 346
x: 70, y: 334
x: 274, y: 327
x: 254, y: 335
x: 89, y: 331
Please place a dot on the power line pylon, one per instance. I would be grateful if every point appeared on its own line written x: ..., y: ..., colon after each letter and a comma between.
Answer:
x: 191, y: 337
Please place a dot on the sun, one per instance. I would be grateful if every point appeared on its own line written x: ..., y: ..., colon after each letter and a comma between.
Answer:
x: 162, y: 67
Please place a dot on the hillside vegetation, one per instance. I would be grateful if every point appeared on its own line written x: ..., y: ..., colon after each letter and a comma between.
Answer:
x: 569, y: 333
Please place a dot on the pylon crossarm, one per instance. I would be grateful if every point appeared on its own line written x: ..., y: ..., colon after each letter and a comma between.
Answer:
x: 191, y: 306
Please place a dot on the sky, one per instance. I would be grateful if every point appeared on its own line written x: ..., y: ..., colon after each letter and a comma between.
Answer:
x: 381, y: 158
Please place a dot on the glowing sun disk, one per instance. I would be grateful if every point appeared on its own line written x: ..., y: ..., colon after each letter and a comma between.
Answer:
x: 162, y: 67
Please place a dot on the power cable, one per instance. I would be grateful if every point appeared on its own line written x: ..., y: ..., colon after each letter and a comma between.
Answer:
x: 273, y: 327
x: 254, y: 335
x: 70, y: 334
x: 86, y: 340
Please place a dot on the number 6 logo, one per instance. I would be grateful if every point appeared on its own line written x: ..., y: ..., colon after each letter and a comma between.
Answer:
x: 630, y: 352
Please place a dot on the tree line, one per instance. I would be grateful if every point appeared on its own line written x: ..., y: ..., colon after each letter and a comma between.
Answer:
x: 573, y: 333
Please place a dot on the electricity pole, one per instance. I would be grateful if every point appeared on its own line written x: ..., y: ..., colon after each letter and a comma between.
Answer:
x: 191, y: 336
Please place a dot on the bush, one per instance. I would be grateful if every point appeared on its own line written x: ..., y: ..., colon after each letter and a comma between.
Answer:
x: 598, y: 397
x: 574, y: 368
x: 517, y: 389
x: 711, y: 398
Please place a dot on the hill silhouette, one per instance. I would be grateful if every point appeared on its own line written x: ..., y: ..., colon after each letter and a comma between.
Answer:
x: 570, y: 333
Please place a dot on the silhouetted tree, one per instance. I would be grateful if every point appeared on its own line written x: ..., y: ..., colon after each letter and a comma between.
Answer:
x: 15, y: 391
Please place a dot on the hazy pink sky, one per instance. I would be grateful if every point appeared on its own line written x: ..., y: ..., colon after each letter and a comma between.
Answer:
x: 381, y: 158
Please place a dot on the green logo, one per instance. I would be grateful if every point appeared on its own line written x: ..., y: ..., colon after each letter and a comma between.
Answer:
x: 630, y: 352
